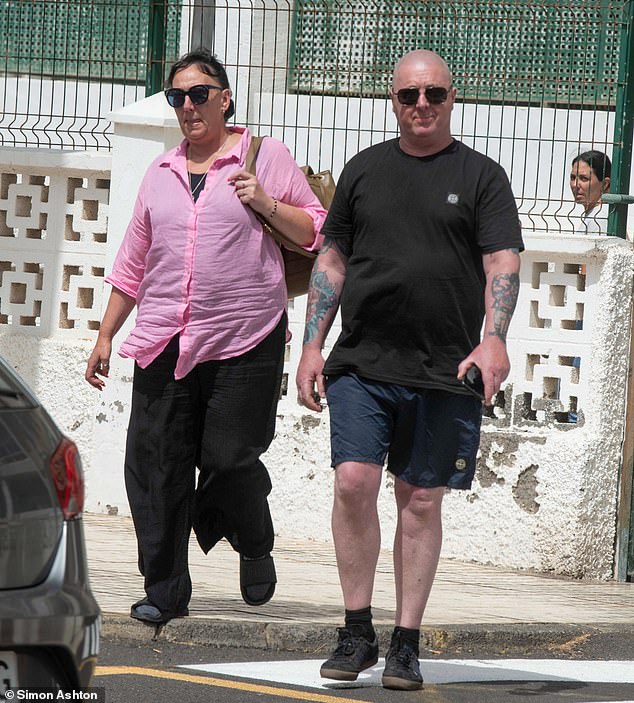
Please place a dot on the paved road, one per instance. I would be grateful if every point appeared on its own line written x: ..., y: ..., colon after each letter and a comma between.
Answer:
x: 159, y: 671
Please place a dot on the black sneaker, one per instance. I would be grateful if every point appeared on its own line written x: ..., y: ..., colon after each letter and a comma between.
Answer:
x: 402, y: 671
x: 353, y: 654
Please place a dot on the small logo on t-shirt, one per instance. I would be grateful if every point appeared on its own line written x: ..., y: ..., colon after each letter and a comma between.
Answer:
x: 453, y: 198
x: 460, y: 464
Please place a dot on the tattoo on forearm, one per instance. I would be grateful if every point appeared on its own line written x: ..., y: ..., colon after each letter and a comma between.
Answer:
x: 505, y: 288
x: 342, y: 244
x: 322, y: 297
x: 327, y: 244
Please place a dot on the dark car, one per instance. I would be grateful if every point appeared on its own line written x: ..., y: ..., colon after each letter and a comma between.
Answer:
x: 49, y: 619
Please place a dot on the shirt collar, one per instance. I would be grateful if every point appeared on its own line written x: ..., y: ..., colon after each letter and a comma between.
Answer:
x: 175, y: 157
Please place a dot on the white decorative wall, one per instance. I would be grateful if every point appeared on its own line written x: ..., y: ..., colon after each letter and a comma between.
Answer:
x: 548, y: 472
x: 546, y: 488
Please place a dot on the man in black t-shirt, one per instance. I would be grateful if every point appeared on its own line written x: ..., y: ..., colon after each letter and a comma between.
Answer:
x: 424, y: 233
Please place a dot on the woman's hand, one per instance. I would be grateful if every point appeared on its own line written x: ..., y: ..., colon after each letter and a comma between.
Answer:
x: 291, y: 221
x: 251, y: 193
x: 99, y: 363
x: 119, y: 306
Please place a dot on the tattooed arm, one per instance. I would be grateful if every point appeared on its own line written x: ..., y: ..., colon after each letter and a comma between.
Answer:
x: 326, y: 284
x: 502, y: 288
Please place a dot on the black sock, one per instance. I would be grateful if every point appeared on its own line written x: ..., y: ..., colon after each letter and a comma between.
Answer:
x: 411, y: 636
x: 362, y: 620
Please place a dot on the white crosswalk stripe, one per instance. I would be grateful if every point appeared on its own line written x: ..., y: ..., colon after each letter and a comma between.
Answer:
x: 305, y: 673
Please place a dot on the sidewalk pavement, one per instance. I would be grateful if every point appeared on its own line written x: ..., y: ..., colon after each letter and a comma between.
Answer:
x: 469, y: 603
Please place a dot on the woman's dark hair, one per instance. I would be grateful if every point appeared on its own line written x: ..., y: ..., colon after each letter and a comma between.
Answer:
x: 207, y: 63
x: 597, y: 161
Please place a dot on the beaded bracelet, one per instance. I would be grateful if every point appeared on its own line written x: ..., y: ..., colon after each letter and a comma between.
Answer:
x: 274, y: 210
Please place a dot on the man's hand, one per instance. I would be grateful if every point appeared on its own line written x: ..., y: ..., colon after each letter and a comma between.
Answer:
x: 311, y: 385
x: 491, y: 357
x: 326, y: 284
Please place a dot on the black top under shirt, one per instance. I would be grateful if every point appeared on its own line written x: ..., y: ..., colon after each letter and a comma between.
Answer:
x: 412, y: 306
x: 196, y: 184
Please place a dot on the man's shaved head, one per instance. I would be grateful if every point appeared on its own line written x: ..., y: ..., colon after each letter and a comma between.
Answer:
x: 420, y: 56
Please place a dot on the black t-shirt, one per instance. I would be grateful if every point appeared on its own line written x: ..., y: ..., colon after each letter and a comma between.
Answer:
x: 412, y: 306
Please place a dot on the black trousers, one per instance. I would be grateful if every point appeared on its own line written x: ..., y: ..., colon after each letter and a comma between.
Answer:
x: 220, y: 418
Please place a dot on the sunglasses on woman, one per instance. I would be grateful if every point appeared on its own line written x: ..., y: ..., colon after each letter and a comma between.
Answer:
x: 434, y: 95
x: 198, y: 94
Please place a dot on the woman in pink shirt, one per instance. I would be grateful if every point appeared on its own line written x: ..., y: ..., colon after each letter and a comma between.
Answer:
x: 208, y: 343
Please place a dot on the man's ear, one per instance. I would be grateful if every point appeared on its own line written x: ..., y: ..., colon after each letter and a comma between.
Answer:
x: 390, y: 94
x: 606, y: 184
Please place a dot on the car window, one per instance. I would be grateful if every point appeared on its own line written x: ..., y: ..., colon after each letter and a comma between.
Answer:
x: 13, y: 394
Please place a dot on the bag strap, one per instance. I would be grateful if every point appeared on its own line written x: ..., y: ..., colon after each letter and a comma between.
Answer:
x: 249, y: 165
x: 252, y: 154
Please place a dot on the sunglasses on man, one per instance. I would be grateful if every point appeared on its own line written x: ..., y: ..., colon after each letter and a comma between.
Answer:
x: 198, y: 94
x: 434, y: 95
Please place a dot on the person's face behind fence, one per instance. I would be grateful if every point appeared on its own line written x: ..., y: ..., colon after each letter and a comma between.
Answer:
x: 203, y: 123
x: 425, y: 122
x: 585, y: 185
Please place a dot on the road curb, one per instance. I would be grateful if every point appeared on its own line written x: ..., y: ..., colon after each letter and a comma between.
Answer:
x: 319, y: 638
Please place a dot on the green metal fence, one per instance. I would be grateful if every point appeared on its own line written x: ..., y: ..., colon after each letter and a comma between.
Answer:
x: 104, y: 40
x: 538, y: 80
x: 522, y: 52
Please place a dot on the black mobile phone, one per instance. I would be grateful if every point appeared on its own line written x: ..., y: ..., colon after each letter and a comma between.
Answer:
x: 473, y: 382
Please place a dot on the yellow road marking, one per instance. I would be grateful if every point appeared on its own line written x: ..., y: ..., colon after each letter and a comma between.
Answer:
x: 222, y: 683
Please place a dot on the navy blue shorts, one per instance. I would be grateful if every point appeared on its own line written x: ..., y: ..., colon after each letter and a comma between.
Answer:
x: 431, y: 436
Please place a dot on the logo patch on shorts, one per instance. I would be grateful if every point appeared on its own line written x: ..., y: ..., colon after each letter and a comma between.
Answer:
x: 453, y: 198
x: 460, y: 464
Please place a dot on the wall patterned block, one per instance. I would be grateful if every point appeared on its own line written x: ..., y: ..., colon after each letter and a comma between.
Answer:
x: 81, y: 294
x: 22, y: 284
x: 551, y: 387
x: 27, y: 209
x: 53, y: 240
x: 551, y: 337
x: 88, y: 216
x: 557, y: 295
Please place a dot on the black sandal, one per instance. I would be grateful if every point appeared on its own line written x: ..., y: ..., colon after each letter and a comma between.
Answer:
x: 145, y: 611
x: 257, y: 579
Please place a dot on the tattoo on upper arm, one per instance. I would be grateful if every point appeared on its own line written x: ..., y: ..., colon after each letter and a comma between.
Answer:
x: 504, y: 290
x: 322, y: 297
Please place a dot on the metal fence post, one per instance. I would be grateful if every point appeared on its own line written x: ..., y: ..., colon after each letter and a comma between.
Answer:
x: 156, y: 48
x: 623, y: 126
x: 619, y: 199
x: 203, y: 24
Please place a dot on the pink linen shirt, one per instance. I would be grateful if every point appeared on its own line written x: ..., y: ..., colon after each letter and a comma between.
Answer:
x: 205, y: 269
